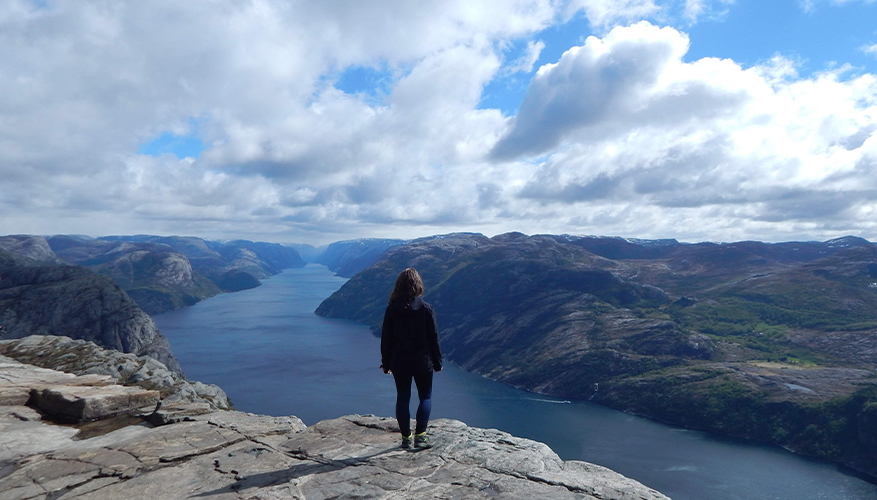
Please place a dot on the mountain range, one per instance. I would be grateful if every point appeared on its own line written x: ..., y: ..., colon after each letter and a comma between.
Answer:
x: 163, y: 273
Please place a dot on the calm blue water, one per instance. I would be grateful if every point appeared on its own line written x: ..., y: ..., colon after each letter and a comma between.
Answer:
x: 273, y: 355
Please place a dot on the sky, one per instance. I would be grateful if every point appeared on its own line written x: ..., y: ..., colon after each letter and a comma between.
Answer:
x: 313, y: 121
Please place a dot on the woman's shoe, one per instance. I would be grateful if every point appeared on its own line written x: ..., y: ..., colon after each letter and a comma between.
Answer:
x: 422, y: 441
x: 406, y: 441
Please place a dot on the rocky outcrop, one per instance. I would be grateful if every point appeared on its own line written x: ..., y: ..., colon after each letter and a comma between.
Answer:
x: 80, y: 357
x: 77, y: 303
x: 33, y: 249
x: 226, y: 454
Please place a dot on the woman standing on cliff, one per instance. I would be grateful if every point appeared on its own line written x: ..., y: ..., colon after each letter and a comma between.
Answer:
x: 410, y: 350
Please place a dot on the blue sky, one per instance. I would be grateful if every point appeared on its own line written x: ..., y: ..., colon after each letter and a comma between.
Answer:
x: 313, y: 121
x: 819, y: 37
x: 748, y: 31
x: 826, y: 35
x: 181, y: 146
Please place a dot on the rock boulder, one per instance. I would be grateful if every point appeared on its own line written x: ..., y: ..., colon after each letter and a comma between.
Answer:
x: 80, y: 357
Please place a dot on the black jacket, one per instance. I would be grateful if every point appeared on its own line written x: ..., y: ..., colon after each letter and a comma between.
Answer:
x: 409, y: 338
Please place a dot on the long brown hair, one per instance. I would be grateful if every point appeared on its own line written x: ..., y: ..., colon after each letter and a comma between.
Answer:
x: 408, y: 286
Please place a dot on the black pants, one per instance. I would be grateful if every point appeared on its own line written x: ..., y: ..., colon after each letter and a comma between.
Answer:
x: 403, y: 397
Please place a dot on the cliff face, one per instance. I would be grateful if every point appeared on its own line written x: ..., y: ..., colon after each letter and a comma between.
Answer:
x: 346, y: 258
x: 77, y: 303
x: 270, y: 258
x: 34, y: 249
x: 224, y: 454
x: 769, y: 342
x: 157, y: 280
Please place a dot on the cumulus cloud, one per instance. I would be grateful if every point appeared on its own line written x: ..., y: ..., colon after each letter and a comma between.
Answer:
x: 627, y: 79
x: 621, y: 135
x: 623, y: 121
x: 84, y: 84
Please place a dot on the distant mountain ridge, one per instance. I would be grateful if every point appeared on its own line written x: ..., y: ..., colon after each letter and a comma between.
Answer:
x: 28, y: 249
x: 167, y: 272
x: 346, y: 258
x: 775, y: 342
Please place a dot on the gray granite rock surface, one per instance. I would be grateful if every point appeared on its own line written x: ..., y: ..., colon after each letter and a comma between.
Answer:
x: 216, y: 454
x: 86, y: 358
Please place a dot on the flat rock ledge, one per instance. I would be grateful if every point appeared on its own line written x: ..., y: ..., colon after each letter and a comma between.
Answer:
x: 202, y: 452
x: 81, y: 357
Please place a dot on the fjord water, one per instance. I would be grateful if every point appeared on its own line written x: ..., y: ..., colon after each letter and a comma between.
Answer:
x: 273, y: 355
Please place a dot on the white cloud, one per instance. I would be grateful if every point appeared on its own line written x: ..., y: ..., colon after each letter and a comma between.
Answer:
x: 870, y: 49
x: 606, y: 13
x: 620, y: 136
x: 695, y: 9
x: 84, y: 84
x: 528, y: 59
x: 625, y: 125
x: 599, y: 86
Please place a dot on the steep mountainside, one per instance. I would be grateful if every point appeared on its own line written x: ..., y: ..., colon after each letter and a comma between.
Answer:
x: 29, y: 248
x: 308, y: 252
x: 347, y: 258
x: 156, y: 277
x: 164, y: 273
x: 271, y: 258
x: 214, y: 259
x: 74, y: 302
x: 771, y: 342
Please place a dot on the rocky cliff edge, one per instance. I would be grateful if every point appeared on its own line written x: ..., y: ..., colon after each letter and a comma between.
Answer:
x: 192, y: 450
x: 80, y: 357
